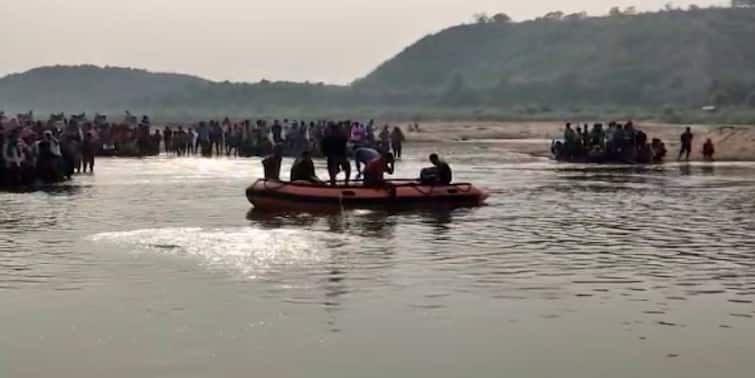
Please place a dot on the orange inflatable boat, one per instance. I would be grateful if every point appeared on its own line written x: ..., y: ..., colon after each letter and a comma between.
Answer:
x: 278, y: 195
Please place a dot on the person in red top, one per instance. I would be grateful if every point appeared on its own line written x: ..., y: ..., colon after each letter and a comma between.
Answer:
x: 375, y: 170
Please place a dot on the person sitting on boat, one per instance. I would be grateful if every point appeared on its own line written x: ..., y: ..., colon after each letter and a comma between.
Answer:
x: 272, y: 164
x: 375, y: 170
x: 303, y: 169
x: 708, y: 150
x: 438, y: 174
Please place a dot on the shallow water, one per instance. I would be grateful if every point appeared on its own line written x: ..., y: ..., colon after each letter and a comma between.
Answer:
x: 157, y: 268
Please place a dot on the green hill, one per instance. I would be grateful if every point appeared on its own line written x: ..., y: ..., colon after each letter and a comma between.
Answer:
x: 669, y: 57
x: 663, y: 64
x: 89, y: 88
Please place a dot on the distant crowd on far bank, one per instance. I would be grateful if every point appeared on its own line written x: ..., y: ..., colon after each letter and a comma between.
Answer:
x: 620, y: 143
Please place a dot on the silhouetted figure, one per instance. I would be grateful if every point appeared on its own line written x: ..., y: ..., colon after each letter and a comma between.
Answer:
x: 708, y: 150
x: 374, y: 171
x: 272, y: 164
x: 334, y: 148
x: 686, y: 139
x: 438, y: 174
x: 88, y: 151
x: 397, y: 141
x: 277, y: 131
x: 303, y: 169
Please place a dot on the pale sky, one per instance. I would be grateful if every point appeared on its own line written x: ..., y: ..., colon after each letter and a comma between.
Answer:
x: 335, y: 41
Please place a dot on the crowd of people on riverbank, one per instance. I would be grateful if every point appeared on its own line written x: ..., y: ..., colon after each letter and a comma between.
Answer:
x: 259, y: 138
x: 620, y: 143
x: 35, y: 151
x: 47, y: 152
x: 617, y: 143
x: 75, y: 141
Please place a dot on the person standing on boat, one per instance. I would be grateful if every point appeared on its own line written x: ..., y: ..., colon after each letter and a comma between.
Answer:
x: 334, y: 149
x: 686, y: 140
x: 272, y: 164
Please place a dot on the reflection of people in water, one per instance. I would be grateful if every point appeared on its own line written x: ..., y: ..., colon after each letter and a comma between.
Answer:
x: 708, y: 150
x: 438, y: 174
x: 272, y: 164
x: 303, y: 169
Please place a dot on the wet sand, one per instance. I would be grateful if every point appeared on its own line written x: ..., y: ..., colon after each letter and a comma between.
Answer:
x: 733, y: 143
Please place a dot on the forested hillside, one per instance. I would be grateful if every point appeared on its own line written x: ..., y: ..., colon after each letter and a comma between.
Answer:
x: 665, y: 63
x: 69, y: 88
x: 672, y: 57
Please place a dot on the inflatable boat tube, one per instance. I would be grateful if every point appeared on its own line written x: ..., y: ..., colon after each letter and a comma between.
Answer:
x: 278, y: 195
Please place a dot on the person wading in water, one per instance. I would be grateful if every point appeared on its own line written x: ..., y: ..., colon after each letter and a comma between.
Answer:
x: 88, y: 150
x: 708, y: 150
x: 686, y: 139
x: 397, y: 139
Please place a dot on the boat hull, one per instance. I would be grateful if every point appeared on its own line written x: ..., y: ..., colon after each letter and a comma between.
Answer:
x: 276, y: 195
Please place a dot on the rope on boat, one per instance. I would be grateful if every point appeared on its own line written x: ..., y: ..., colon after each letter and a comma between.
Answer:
x: 426, y: 194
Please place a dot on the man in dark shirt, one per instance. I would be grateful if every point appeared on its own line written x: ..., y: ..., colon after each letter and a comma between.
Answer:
x: 334, y: 148
x: 88, y: 150
x: 686, y: 138
x: 304, y: 169
x: 272, y: 164
x: 277, y: 131
x: 167, y: 137
x: 444, y: 170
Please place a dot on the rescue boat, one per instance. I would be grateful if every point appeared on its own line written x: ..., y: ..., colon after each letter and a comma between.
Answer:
x: 279, y: 195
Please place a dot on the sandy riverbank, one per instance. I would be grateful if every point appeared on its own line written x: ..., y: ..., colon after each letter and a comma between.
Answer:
x: 736, y: 143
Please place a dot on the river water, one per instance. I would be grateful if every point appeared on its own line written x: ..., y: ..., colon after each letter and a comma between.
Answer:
x: 157, y: 268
